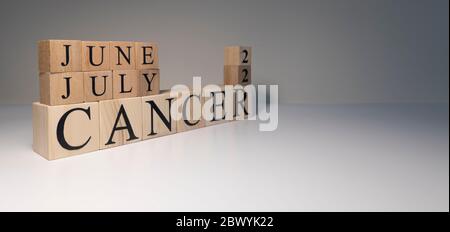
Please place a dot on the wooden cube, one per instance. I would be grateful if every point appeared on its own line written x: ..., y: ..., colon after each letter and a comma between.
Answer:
x: 59, y: 56
x: 122, y: 55
x: 98, y: 85
x: 125, y: 83
x: 61, y: 88
x: 146, y: 55
x: 156, y: 116
x: 62, y: 131
x: 237, y: 74
x: 120, y: 121
x: 238, y: 55
x: 218, y: 105
x: 242, y: 108
x: 189, y: 111
x: 95, y: 56
x: 148, y: 82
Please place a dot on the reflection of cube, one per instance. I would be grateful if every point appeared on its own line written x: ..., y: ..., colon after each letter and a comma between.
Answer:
x: 61, y: 88
x: 61, y: 131
x: 237, y: 74
x: 59, y: 56
x: 238, y: 55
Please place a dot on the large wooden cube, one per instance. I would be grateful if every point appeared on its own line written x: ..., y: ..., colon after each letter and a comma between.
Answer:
x: 218, y: 105
x: 189, y: 110
x: 120, y: 121
x: 62, y: 131
x: 156, y: 116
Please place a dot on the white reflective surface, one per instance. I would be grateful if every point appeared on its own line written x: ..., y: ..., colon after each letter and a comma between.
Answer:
x: 322, y: 157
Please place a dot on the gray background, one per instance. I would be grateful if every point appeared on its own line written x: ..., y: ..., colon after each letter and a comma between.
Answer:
x: 322, y: 157
x: 317, y: 51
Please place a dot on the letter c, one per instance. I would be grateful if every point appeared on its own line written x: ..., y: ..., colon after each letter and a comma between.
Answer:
x: 60, y: 129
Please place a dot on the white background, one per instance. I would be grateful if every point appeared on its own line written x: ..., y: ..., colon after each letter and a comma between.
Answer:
x: 321, y: 158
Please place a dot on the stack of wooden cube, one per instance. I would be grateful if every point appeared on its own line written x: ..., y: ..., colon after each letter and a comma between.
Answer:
x: 237, y: 68
x: 96, y: 95
x: 96, y: 70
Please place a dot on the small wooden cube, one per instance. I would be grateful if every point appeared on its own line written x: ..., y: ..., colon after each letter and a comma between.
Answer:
x: 61, y: 88
x: 122, y: 55
x: 98, y: 85
x: 120, y: 121
x: 146, y: 55
x: 237, y: 74
x: 156, y: 116
x: 148, y: 82
x: 189, y: 111
x: 59, y: 56
x: 218, y: 105
x: 95, y: 56
x: 238, y: 55
x: 62, y: 131
x: 125, y: 83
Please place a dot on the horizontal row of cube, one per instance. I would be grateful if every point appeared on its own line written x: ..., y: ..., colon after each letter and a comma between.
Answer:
x: 61, y: 131
x: 76, y: 55
x: 78, y: 87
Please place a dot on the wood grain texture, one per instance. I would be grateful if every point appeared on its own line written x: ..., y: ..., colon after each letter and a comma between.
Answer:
x: 95, y: 56
x: 98, y: 85
x: 80, y: 129
x: 237, y: 74
x: 53, y: 56
x: 189, y: 111
x: 237, y: 55
x: 218, y: 105
x: 149, y: 82
x: 125, y: 84
x: 124, y: 114
x: 146, y: 55
x: 154, y: 124
x: 242, y: 102
x: 122, y: 55
x: 61, y: 88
